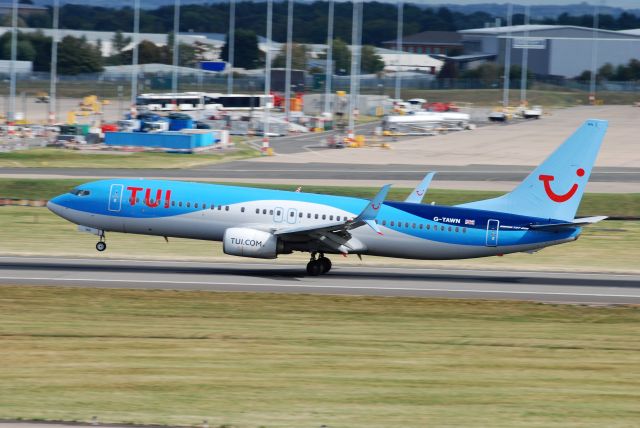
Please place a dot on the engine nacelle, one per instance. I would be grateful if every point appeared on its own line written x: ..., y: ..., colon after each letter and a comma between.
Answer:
x: 245, y: 242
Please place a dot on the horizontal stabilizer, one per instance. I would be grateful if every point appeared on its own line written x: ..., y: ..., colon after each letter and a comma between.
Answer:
x: 575, y: 223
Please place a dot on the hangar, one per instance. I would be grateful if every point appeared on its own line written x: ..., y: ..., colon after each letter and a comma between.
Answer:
x: 554, y: 50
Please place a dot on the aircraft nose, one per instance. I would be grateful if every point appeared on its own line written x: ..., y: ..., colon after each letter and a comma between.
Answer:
x: 55, y: 205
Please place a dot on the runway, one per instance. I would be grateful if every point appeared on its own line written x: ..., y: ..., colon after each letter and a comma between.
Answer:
x: 578, y: 288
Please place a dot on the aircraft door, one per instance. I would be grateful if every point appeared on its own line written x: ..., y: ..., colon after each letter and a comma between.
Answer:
x: 115, y: 197
x: 292, y: 215
x: 278, y: 214
x: 492, y: 233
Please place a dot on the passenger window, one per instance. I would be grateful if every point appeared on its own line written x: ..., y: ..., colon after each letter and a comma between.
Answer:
x: 219, y: 207
x: 300, y: 215
x: 331, y: 217
x: 406, y: 225
x: 420, y: 226
x: 278, y: 212
x: 442, y: 228
x: 270, y: 212
x: 324, y: 216
x: 180, y: 203
x: 226, y: 208
x: 173, y: 203
x: 188, y: 204
x: 392, y: 223
x: 264, y: 211
x: 257, y: 210
x: 449, y: 229
x: 137, y: 200
x: 457, y: 229
x: 292, y: 214
x: 384, y: 222
x: 337, y: 218
x: 166, y: 204
x: 413, y: 225
x: 242, y: 209
x: 204, y: 206
x: 316, y: 216
x: 464, y: 230
x: 428, y: 226
x: 308, y: 215
x: 195, y: 205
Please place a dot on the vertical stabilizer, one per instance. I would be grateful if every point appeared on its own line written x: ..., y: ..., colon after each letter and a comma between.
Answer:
x: 554, y: 189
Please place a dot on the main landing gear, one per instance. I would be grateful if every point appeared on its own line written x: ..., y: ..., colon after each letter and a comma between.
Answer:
x: 318, y: 266
x: 101, y: 245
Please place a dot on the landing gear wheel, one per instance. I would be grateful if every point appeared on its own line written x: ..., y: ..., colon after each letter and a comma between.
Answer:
x: 101, y: 246
x: 314, y: 268
x: 325, y: 263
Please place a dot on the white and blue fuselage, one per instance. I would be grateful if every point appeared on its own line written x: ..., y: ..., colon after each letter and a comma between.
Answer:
x: 206, y: 211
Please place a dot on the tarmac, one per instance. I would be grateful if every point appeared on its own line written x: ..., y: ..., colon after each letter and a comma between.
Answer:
x: 549, y: 287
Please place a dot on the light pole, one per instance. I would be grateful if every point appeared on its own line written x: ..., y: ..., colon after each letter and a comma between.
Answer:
x: 232, y: 43
x: 54, y: 63
x: 399, y: 48
x: 355, y: 66
x: 525, y: 58
x: 594, y: 56
x: 287, y: 75
x: 329, y: 67
x: 176, y: 45
x: 12, y: 66
x: 136, y: 41
x: 507, y: 59
x: 267, y: 79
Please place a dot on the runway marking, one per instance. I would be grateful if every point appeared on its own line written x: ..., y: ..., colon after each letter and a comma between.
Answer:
x: 258, y: 284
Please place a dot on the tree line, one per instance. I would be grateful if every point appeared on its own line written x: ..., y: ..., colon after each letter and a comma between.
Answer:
x: 310, y: 20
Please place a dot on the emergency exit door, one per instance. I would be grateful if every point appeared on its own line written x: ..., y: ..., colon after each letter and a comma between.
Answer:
x: 115, y: 197
x: 492, y: 233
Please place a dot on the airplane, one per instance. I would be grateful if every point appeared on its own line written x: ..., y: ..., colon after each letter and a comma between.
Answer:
x: 263, y: 223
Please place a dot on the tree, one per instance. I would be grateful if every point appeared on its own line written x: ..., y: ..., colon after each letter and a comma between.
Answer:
x: 299, y: 54
x: 247, y: 54
x: 607, y: 71
x: 371, y: 62
x: 76, y: 56
x: 341, y: 57
x: 119, y: 42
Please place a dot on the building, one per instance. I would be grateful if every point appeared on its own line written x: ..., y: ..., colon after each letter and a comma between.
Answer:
x: 405, y: 61
x: 554, y: 50
x: 429, y: 42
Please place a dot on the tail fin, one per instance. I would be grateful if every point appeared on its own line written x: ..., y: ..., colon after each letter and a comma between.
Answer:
x: 554, y: 189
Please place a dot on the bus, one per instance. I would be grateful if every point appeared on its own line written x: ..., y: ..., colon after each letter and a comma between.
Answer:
x: 195, y: 101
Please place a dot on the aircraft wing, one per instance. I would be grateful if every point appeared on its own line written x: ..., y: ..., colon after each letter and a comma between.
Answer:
x: 418, y: 193
x: 335, y: 235
x: 575, y: 223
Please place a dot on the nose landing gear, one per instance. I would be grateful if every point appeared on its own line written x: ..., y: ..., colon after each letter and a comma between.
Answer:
x: 318, y: 266
x: 101, y: 245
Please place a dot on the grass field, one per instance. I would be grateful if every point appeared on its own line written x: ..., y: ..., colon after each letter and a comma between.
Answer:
x: 62, y: 158
x: 627, y: 205
x: 612, y: 246
x: 262, y: 360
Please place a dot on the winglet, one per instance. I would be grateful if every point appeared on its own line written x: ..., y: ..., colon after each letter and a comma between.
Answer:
x: 418, y: 193
x: 370, y: 212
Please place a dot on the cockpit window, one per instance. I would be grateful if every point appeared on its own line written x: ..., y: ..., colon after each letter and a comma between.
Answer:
x: 80, y: 192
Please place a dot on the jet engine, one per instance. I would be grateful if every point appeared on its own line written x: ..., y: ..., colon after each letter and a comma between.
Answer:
x: 245, y: 242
